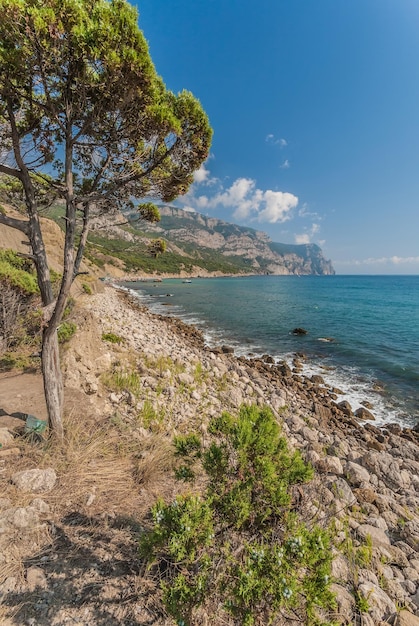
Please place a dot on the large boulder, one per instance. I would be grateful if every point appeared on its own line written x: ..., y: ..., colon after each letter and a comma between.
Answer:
x: 363, y: 414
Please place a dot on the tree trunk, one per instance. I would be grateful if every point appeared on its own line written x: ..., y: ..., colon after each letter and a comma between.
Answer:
x: 53, y: 381
x: 50, y: 358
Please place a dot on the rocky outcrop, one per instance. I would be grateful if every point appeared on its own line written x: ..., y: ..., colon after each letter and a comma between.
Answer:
x: 230, y: 240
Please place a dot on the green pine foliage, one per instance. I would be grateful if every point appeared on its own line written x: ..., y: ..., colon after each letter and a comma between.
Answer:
x: 242, y: 545
x: 65, y: 331
x: 16, y: 272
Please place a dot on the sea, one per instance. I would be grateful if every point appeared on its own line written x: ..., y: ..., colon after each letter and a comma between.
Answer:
x: 362, y: 331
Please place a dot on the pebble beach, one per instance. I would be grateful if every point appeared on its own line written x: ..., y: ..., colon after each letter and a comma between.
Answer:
x: 369, y: 476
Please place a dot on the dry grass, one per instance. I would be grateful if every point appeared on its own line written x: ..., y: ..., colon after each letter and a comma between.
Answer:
x: 103, y: 471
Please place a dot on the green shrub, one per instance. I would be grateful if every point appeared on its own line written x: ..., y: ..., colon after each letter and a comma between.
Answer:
x: 17, y: 272
x: 151, y: 417
x: 69, y: 307
x: 11, y: 360
x: 87, y: 289
x: 241, y: 545
x: 65, y: 331
x: 123, y: 381
x: 112, y: 338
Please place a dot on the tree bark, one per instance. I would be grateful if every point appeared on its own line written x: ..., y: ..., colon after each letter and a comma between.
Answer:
x: 53, y: 380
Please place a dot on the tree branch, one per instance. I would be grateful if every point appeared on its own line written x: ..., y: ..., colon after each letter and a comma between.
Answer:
x: 11, y: 171
x: 22, y: 225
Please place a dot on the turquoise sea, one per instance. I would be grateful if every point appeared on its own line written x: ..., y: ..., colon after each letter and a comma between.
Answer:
x: 362, y: 331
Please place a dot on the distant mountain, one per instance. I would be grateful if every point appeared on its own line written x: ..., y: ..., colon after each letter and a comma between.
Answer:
x: 203, y: 238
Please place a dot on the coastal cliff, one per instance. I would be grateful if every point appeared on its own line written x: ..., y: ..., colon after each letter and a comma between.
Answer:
x: 258, y: 252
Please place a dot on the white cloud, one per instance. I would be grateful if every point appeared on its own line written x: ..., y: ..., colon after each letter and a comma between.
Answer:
x: 277, y: 206
x: 391, y: 260
x: 250, y: 202
x: 201, y: 176
x: 278, y: 142
x: 285, y: 165
x: 245, y: 200
x: 201, y: 202
x: 307, y: 236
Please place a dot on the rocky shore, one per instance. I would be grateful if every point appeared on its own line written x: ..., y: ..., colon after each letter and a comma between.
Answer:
x: 367, y: 478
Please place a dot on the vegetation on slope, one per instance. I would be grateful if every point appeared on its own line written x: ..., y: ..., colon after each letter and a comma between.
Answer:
x: 241, y: 547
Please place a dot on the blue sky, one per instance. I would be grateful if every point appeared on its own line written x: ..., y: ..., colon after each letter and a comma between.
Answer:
x: 315, y: 111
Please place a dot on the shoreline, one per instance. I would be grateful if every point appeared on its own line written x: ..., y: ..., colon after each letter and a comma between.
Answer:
x: 354, y: 387
x: 275, y: 368
x: 368, y: 477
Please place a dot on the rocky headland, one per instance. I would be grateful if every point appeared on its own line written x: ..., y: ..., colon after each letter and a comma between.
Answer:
x: 67, y: 530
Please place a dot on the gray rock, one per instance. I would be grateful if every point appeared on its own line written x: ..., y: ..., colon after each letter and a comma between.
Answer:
x: 380, y: 605
x: 19, y: 517
x: 36, y: 578
x: 8, y: 585
x: 309, y: 434
x: 356, y: 474
x: 40, y: 506
x: 410, y: 573
x: 378, y: 536
x: 342, y: 490
x: 410, y: 534
x: 405, y: 618
x: 345, y: 407
x: 340, y: 568
x: 414, y: 563
x: 313, y: 457
x: 317, y: 379
x: 378, y: 522
x: 6, y: 437
x: 345, y: 604
x: 409, y: 587
x: 334, y: 465
x: 363, y: 414
x: 387, y: 469
x: 367, y: 576
x: 415, y: 599
x: 35, y: 480
x: 235, y: 397
x: 185, y: 379
x: 387, y: 572
x: 395, y: 590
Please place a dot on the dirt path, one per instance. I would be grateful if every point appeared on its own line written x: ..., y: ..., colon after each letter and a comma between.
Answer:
x: 22, y: 393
